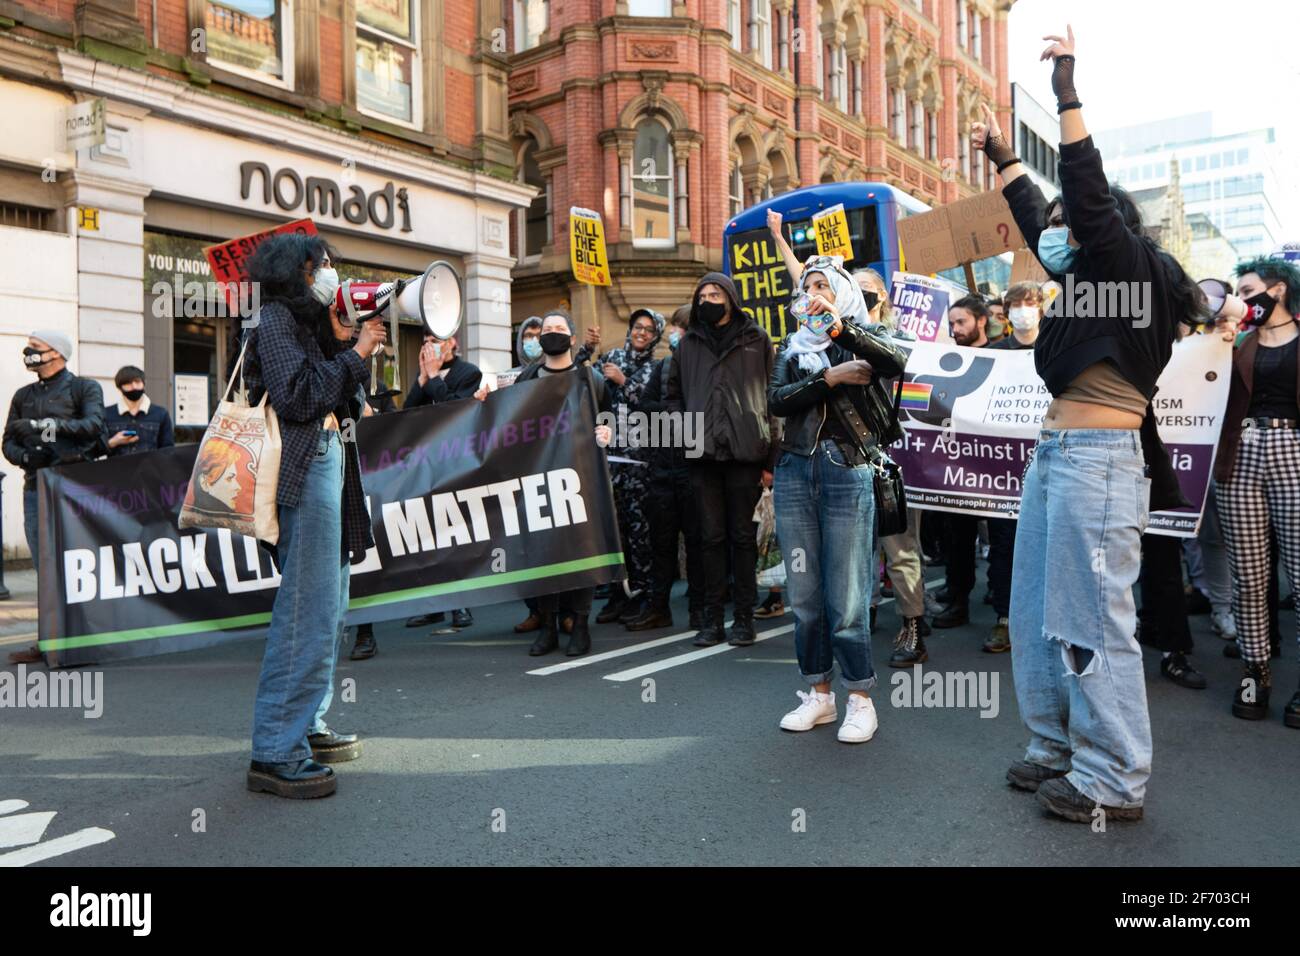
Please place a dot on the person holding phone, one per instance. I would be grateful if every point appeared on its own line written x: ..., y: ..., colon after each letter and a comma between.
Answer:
x: 135, y: 424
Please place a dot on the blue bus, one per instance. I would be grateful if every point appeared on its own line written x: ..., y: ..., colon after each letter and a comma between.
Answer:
x: 873, y: 210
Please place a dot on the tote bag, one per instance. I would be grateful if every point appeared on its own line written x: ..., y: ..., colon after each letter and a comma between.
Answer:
x: 237, y: 470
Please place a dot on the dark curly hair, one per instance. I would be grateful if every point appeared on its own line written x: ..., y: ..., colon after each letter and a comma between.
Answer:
x: 278, y: 266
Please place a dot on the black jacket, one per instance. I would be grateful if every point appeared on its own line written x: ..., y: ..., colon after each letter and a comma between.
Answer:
x: 77, y: 406
x: 461, y: 381
x: 804, y: 400
x: 665, y: 462
x: 1138, y: 346
x: 601, y: 393
x: 285, y: 361
x: 729, y: 389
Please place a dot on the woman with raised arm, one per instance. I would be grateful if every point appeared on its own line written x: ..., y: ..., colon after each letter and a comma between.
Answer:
x: 1096, y: 470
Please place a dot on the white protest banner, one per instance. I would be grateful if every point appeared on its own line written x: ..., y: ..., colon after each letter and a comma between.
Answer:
x: 972, y: 417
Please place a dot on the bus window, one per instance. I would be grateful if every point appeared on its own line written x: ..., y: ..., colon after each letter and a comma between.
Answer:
x: 864, y: 234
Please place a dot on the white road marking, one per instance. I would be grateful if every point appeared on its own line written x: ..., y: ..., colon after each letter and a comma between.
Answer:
x: 57, y: 847
x: 620, y: 652
x: 691, y: 656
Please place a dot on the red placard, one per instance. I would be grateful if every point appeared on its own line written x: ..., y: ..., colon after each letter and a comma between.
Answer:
x: 229, y: 260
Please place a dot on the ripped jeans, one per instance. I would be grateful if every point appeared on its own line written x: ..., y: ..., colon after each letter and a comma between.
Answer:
x: 1077, y: 665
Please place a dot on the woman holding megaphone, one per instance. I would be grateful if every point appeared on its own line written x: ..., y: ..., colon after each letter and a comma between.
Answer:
x: 1257, y: 468
x: 314, y: 376
x: 1097, y: 469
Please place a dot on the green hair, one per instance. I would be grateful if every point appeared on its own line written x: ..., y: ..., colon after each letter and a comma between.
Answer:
x: 1273, y: 271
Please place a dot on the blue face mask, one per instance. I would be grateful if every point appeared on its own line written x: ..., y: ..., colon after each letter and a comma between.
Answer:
x: 673, y: 338
x: 1055, y: 251
x: 532, y: 349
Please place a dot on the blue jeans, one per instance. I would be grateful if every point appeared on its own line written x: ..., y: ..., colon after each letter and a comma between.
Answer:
x: 1076, y: 662
x: 30, y: 528
x: 825, y: 521
x: 297, y: 681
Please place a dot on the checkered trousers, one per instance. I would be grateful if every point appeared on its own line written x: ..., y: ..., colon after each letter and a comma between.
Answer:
x: 1262, y: 496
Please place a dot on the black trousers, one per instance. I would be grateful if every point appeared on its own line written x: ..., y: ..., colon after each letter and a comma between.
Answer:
x: 960, y: 535
x: 578, y: 601
x: 1163, y: 616
x: 1002, y: 553
x: 725, y: 495
x: 671, y: 510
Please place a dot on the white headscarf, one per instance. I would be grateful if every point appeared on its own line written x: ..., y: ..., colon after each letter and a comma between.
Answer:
x: 808, y: 347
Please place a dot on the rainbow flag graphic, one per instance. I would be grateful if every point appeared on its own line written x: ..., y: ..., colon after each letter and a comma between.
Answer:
x: 916, y: 396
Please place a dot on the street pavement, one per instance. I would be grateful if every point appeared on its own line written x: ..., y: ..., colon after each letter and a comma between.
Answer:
x: 472, y: 756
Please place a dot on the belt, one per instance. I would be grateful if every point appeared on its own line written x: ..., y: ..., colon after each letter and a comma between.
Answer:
x: 1269, y: 423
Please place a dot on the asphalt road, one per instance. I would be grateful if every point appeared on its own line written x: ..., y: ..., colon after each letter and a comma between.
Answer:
x: 470, y: 759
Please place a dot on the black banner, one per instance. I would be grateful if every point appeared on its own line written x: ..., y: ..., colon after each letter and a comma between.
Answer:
x: 762, y: 281
x: 472, y: 503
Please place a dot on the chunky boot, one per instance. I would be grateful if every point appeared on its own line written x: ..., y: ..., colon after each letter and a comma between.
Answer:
x: 580, y: 639
x: 909, y: 645
x: 616, y: 605
x: 1250, y: 702
x: 954, y: 615
x: 712, y: 632
x: 741, y: 632
x: 1291, y: 712
x: 549, y: 639
x: 635, y: 607
x: 654, y: 617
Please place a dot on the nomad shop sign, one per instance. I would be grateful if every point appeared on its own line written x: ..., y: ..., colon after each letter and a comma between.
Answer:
x: 324, y: 197
x: 471, y: 503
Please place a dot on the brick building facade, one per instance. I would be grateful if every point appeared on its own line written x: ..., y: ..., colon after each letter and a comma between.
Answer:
x: 668, y: 116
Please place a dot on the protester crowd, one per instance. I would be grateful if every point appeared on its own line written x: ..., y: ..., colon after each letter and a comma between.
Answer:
x: 811, y: 419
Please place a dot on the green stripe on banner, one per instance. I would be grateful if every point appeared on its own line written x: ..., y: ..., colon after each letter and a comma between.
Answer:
x: 374, y: 600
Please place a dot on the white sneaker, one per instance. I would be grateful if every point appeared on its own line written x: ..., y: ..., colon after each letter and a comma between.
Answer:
x: 1223, y: 624
x: 816, y: 709
x: 859, y: 720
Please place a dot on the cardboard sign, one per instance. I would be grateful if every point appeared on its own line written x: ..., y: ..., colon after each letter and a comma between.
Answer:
x: 920, y: 305
x: 587, y: 247
x: 832, y: 229
x: 960, y: 232
x: 762, y: 281
x: 229, y: 260
x: 1025, y: 267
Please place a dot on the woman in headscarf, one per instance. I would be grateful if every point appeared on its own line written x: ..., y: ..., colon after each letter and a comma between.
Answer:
x: 826, y: 384
x: 627, y: 371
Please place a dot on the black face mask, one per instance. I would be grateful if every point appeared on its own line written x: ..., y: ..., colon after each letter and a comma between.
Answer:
x: 872, y: 299
x: 133, y: 394
x: 555, y: 343
x: 32, y: 357
x: 711, y: 312
x: 1259, y: 307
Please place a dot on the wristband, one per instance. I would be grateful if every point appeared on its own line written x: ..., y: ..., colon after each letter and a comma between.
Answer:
x: 1010, y: 162
x: 1073, y: 105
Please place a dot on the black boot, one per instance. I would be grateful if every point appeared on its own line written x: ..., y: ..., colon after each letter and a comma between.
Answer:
x: 580, y: 639
x: 741, y: 633
x: 909, y: 645
x: 1250, y: 702
x: 614, y: 607
x: 364, y: 647
x: 549, y: 637
x: 634, y: 608
x: 712, y: 632
x: 954, y: 615
x: 1291, y: 712
x: 696, y: 619
x: 656, y: 615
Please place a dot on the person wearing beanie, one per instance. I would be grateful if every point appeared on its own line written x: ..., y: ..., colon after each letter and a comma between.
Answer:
x: 719, y: 373
x: 55, y: 420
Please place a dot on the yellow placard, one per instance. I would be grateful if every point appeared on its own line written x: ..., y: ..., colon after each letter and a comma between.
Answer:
x: 88, y: 218
x: 587, y: 247
x: 832, y: 229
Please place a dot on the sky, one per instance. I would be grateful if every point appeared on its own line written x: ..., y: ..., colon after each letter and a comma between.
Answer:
x: 1143, y: 60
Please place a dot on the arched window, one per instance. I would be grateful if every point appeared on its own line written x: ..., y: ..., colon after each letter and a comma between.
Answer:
x: 652, y: 186
x: 736, y: 189
x: 535, y: 222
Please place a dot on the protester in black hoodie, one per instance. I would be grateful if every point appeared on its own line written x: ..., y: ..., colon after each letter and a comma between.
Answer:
x: 720, y: 372
x: 1085, y: 496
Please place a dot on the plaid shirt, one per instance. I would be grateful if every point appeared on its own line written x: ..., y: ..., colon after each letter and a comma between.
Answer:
x: 285, y: 360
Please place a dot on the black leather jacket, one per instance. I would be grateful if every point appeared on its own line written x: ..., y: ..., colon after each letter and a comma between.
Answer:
x: 77, y: 406
x: 867, y: 411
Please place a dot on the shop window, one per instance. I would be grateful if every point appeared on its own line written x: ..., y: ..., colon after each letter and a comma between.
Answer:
x: 652, y: 186
x: 253, y: 38
x: 388, y: 60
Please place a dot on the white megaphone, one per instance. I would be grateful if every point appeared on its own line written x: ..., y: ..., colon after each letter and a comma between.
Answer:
x: 434, y: 299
